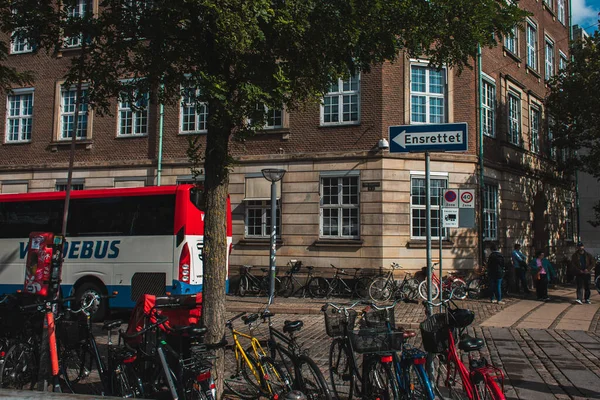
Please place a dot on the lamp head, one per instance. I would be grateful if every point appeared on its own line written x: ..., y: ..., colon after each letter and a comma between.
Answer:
x: 383, y: 144
x: 273, y: 174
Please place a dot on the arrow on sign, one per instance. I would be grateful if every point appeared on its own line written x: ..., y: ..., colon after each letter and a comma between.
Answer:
x: 405, y: 140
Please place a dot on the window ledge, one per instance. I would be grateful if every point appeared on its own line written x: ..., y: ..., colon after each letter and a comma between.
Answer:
x: 549, y: 9
x: 15, y: 142
x: 338, y: 124
x: 193, y: 133
x: 260, y: 242
x: 131, y: 136
x: 512, y: 55
x: 87, y: 143
x: 338, y: 243
x: 534, y: 72
x: 435, y: 244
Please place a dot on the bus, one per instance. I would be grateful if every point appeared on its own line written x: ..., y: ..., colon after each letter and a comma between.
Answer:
x: 126, y: 240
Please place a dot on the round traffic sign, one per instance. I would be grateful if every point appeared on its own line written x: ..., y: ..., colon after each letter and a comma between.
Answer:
x: 450, y: 196
x: 466, y: 197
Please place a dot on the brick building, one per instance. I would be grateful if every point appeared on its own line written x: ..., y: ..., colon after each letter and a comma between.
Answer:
x: 379, y: 215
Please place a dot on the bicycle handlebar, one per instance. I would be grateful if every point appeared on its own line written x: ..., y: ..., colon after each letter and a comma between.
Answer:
x: 443, y: 302
x: 234, y: 318
x: 146, y: 329
x: 340, y: 307
x: 41, y: 305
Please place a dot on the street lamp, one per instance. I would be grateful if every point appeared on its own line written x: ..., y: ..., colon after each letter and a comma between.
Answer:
x: 273, y: 175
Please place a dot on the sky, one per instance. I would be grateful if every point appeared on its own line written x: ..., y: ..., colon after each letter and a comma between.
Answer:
x: 585, y: 14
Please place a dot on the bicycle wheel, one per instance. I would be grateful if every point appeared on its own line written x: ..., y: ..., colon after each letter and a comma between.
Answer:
x: 120, y: 383
x: 287, y: 287
x: 275, y: 382
x: 448, y: 380
x: 361, y: 287
x: 435, y: 290
x: 597, y: 283
x: 380, y: 289
x: 340, y: 370
x: 419, y: 386
x: 312, y: 382
x: 318, y: 287
x: 243, y: 379
x: 475, y: 288
x: 88, y: 378
x: 243, y: 286
x: 459, y: 288
x: 284, y: 359
x: 19, y: 369
x: 410, y: 289
x: 379, y: 379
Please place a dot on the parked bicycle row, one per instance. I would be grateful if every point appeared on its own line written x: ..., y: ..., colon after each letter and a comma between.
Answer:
x: 359, y: 283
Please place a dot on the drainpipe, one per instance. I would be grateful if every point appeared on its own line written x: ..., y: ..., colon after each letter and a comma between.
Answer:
x: 480, y: 137
x: 160, y: 139
x: 576, y: 171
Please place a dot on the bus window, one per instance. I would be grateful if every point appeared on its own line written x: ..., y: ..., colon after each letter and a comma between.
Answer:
x: 153, y: 215
x: 109, y: 216
x: 18, y: 219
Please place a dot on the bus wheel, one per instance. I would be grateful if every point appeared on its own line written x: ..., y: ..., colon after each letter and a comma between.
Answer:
x: 90, y: 289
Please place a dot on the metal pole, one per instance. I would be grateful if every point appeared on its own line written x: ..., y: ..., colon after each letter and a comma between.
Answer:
x: 161, y: 125
x: 440, y: 237
x: 272, y: 270
x: 428, y: 230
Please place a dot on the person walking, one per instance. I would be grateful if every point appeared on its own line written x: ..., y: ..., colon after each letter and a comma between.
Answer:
x: 495, y: 269
x: 519, y: 262
x: 543, y: 272
x: 582, y: 264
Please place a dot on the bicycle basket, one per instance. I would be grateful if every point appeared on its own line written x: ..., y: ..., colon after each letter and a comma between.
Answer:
x: 376, y: 341
x: 434, y: 333
x: 296, y: 265
x: 335, y: 320
x: 461, y: 318
x: 378, y: 318
x: 70, y: 333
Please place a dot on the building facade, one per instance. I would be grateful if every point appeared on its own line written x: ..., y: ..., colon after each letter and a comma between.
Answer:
x: 343, y: 200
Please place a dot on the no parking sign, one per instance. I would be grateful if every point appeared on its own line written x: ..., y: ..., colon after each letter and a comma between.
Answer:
x: 450, y: 198
x: 466, y: 198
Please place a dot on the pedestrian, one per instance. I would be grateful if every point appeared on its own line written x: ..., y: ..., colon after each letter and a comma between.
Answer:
x: 542, y: 272
x: 519, y: 262
x: 495, y: 270
x: 582, y: 264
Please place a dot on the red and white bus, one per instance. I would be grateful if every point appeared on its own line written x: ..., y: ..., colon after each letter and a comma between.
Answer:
x: 149, y: 239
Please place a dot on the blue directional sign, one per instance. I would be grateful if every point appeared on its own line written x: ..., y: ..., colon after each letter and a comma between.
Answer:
x: 431, y: 137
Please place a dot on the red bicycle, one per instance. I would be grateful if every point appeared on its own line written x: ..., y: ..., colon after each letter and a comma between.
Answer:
x: 449, y: 284
x: 481, y: 380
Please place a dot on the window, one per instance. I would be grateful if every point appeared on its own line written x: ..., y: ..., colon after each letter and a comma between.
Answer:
x: 193, y: 114
x: 549, y: 58
x: 19, y: 116
x: 490, y: 212
x: 560, y: 11
x: 562, y: 62
x: 68, y: 99
x: 133, y: 116
x: 549, y: 4
x: 427, y: 95
x: 274, y: 119
x: 488, y: 97
x: 62, y: 187
x: 19, y: 43
x: 511, y: 41
x: 341, y: 105
x: 514, y: 119
x: 531, y: 45
x: 258, y: 219
x: 417, y: 206
x: 78, y: 11
x: 339, y: 207
x: 569, y: 218
x: 551, y: 150
x: 535, y: 129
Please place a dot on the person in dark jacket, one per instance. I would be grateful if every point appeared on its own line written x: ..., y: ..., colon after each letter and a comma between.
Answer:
x: 495, y: 269
x: 582, y: 264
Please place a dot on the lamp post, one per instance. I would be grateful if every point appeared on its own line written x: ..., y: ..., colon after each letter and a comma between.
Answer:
x: 273, y: 175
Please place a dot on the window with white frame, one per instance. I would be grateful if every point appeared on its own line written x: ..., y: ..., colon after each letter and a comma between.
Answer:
x: 490, y: 212
x: 339, y: 217
x: 549, y: 4
x: 193, y: 113
x: 274, y: 119
x: 489, y: 108
x: 427, y: 94
x: 19, y: 43
x: 258, y: 219
x: 77, y: 11
x: 341, y: 104
x: 418, y: 198
x: 68, y: 101
x: 511, y: 41
x: 569, y: 218
x: 514, y: 118
x: 549, y: 58
x: 536, y: 117
x: 19, y: 116
x: 133, y: 115
x: 532, y: 44
x: 560, y: 11
x: 562, y: 62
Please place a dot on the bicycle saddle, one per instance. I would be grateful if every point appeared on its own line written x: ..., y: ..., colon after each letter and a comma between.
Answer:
x: 110, y: 325
x: 468, y: 343
x: 264, y: 269
x: 292, y: 326
x: 267, y: 314
x: 248, y: 319
x: 191, y: 330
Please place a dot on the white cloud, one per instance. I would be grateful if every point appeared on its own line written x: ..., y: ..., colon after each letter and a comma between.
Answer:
x: 585, y: 13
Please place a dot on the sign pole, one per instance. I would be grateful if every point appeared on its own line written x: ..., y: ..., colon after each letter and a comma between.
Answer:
x: 440, y: 237
x: 428, y: 230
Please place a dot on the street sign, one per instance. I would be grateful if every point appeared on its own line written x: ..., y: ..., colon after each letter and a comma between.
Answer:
x: 467, y: 198
x: 430, y: 137
x: 450, y: 198
x: 450, y: 217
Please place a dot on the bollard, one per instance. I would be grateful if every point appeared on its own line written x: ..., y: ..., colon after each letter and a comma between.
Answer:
x: 295, y: 395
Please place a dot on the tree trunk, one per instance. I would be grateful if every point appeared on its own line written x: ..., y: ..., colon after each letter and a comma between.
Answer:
x: 216, y: 165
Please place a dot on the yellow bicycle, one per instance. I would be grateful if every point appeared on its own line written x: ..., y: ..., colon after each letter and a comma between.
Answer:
x: 252, y: 372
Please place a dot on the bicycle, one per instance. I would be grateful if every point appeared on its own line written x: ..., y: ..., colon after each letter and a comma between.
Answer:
x: 337, y: 286
x: 300, y: 368
x: 478, y: 287
x: 481, y: 380
x: 375, y: 378
x: 449, y: 284
x: 315, y: 286
x: 250, y: 283
x: 255, y: 373
x: 385, y: 287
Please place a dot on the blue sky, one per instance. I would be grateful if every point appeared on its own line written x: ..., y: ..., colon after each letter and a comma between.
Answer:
x: 585, y: 14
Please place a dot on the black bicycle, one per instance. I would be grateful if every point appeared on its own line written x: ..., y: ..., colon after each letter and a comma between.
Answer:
x: 314, y: 286
x: 385, y: 287
x: 259, y: 285
x: 358, y: 287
